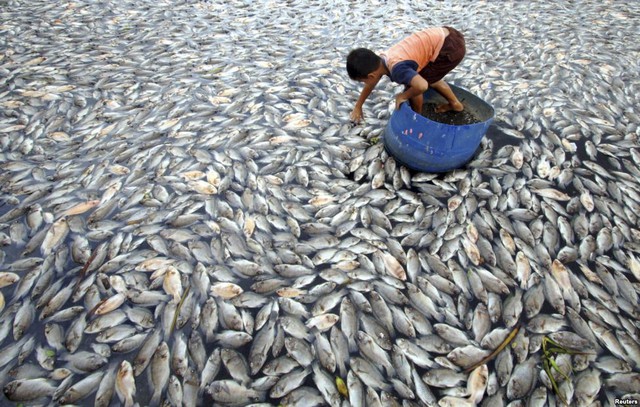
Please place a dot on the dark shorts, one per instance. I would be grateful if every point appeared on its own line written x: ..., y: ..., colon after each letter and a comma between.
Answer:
x: 450, y: 55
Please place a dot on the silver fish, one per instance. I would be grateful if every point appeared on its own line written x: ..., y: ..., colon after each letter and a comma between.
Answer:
x: 28, y: 389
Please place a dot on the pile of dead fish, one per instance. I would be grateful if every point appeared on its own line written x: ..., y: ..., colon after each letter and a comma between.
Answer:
x: 188, y: 218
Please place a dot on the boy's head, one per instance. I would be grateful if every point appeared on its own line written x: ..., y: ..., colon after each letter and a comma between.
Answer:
x: 361, y: 62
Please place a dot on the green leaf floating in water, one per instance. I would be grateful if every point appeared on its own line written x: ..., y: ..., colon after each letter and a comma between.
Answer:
x: 550, y: 350
x: 342, y: 387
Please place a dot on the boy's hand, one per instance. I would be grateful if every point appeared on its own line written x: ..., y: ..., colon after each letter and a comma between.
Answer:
x: 356, y: 115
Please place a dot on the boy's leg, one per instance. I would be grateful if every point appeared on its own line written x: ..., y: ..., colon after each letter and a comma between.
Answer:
x: 416, y: 103
x: 452, y: 101
x: 452, y: 52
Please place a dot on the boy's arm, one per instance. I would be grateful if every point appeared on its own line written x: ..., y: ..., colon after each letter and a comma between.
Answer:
x: 417, y: 86
x: 356, y: 114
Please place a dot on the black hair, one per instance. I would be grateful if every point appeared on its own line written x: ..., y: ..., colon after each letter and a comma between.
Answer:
x: 361, y: 62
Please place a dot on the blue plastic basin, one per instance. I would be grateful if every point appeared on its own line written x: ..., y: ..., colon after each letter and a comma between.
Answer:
x: 425, y: 145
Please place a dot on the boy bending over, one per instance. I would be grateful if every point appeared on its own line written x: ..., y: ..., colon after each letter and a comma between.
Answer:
x: 418, y: 61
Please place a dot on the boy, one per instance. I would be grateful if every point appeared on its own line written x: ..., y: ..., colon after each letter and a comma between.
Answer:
x: 418, y: 61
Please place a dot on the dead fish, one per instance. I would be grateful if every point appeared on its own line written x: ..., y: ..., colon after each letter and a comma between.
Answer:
x: 125, y: 384
x: 82, y: 388
x: 172, y: 283
x: 228, y: 391
x: 226, y: 290
x: 522, y: 379
x: 54, y: 236
x: 322, y: 322
x: 159, y: 372
x: 29, y: 389
x: 105, y: 389
x: 477, y: 383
